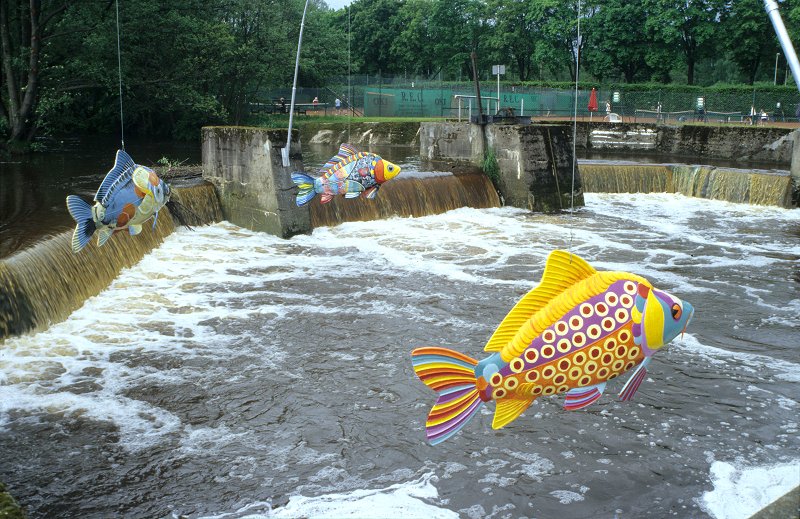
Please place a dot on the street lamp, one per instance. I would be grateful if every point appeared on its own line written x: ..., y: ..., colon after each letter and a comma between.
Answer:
x: 775, y: 80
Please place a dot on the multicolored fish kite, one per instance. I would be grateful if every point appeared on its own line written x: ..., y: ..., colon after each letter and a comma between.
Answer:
x: 571, y: 334
x: 129, y: 196
x: 351, y: 173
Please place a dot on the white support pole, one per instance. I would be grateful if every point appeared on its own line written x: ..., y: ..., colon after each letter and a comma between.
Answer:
x: 771, y: 6
x: 498, y: 92
x: 522, y: 107
x: 285, y: 151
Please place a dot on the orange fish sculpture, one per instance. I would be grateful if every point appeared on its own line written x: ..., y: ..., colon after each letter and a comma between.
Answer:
x: 350, y: 172
x: 571, y: 334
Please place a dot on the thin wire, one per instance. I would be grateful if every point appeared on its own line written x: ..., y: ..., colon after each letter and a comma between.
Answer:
x: 119, y: 70
x: 575, y: 130
x: 349, y: 87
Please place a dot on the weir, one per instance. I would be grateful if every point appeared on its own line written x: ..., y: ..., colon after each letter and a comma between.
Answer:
x: 415, y: 196
x: 756, y: 187
x: 46, y: 282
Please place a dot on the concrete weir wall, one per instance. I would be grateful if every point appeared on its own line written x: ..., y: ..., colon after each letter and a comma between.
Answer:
x: 535, y: 162
x: 741, y: 143
x: 254, y: 189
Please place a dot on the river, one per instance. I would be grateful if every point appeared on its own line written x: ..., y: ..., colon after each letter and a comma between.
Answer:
x: 234, y: 374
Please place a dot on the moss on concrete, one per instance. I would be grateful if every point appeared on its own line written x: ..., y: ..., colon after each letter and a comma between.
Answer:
x: 9, y: 509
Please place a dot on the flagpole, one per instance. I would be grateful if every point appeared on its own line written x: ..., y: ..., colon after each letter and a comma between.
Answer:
x: 285, y: 151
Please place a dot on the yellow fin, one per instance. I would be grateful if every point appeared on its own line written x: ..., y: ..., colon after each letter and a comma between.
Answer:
x: 508, y: 409
x: 561, y: 271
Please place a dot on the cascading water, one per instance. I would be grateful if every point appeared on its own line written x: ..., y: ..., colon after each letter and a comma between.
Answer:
x: 752, y: 186
x: 44, y: 283
x: 412, y: 195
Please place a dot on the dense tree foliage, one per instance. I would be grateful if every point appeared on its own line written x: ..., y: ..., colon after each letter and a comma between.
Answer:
x: 186, y: 63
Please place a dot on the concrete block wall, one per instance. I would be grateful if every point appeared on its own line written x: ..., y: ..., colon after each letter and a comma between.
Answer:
x: 535, y: 161
x: 254, y: 189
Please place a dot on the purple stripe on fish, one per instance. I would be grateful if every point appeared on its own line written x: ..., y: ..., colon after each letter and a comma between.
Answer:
x: 447, y: 397
x: 444, y: 428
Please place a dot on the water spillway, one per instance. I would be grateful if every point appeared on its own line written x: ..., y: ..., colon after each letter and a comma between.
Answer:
x: 748, y: 186
x: 44, y: 283
x: 412, y: 195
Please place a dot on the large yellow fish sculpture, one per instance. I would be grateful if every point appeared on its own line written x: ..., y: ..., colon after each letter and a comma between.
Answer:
x: 571, y: 334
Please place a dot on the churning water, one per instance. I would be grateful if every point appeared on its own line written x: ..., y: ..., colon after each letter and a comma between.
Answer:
x: 232, y: 374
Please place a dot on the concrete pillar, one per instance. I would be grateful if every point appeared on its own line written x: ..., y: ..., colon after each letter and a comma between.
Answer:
x: 254, y: 189
x: 535, y: 166
x: 451, y: 141
x: 534, y: 161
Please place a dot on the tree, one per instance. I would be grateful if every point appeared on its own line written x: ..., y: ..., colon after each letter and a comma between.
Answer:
x: 619, y: 38
x: 516, y: 33
x: 24, y: 28
x: 692, y: 25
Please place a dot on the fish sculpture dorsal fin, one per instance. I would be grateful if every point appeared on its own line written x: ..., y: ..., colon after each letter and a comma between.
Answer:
x: 561, y: 271
x: 346, y: 152
x: 123, y: 164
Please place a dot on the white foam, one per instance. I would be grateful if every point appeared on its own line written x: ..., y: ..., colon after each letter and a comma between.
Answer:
x: 784, y: 370
x: 741, y: 491
x: 408, y: 500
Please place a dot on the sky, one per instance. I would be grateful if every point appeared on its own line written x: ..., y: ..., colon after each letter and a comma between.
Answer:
x: 338, y: 4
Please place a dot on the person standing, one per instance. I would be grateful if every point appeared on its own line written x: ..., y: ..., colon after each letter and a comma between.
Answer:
x: 338, y: 104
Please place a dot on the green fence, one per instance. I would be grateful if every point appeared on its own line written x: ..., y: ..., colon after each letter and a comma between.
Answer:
x: 381, y: 96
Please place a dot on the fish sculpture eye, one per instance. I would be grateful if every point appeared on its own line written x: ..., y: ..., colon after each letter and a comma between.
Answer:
x: 677, y: 311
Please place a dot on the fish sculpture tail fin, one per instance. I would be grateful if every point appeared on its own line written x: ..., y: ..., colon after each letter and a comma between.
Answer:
x: 306, y: 185
x: 81, y: 212
x: 452, y: 376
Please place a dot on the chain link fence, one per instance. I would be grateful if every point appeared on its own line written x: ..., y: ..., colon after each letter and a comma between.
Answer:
x: 397, y: 96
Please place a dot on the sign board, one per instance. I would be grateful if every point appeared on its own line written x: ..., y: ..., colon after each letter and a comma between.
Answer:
x: 616, y: 97
x: 498, y: 69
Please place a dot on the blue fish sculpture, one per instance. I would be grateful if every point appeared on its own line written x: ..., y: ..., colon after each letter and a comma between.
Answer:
x: 130, y: 195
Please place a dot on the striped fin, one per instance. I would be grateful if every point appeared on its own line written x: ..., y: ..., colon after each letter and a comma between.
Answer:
x: 306, y: 185
x: 81, y: 212
x: 352, y: 189
x: 347, y: 153
x: 452, y: 376
x: 581, y: 397
x: 562, y: 270
x: 123, y: 168
x: 508, y: 409
x: 633, y: 383
x: 103, y: 235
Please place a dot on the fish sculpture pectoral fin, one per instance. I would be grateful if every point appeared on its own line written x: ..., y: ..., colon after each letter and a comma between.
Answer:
x: 635, y: 380
x: 508, y: 409
x: 452, y: 376
x: 103, y: 235
x: 371, y: 193
x: 134, y: 229
x: 581, y: 397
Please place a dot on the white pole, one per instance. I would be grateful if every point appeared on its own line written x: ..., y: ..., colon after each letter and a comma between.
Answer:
x: 470, y: 110
x: 522, y: 107
x: 786, y: 43
x: 498, y: 90
x: 285, y: 151
x: 459, y: 109
x: 775, y: 80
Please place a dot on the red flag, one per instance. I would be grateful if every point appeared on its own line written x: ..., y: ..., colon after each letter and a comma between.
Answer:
x: 593, y: 101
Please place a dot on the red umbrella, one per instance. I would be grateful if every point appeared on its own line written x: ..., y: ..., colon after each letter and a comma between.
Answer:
x: 593, y: 101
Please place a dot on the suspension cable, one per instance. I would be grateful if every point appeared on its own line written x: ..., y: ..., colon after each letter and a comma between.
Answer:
x: 119, y: 70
